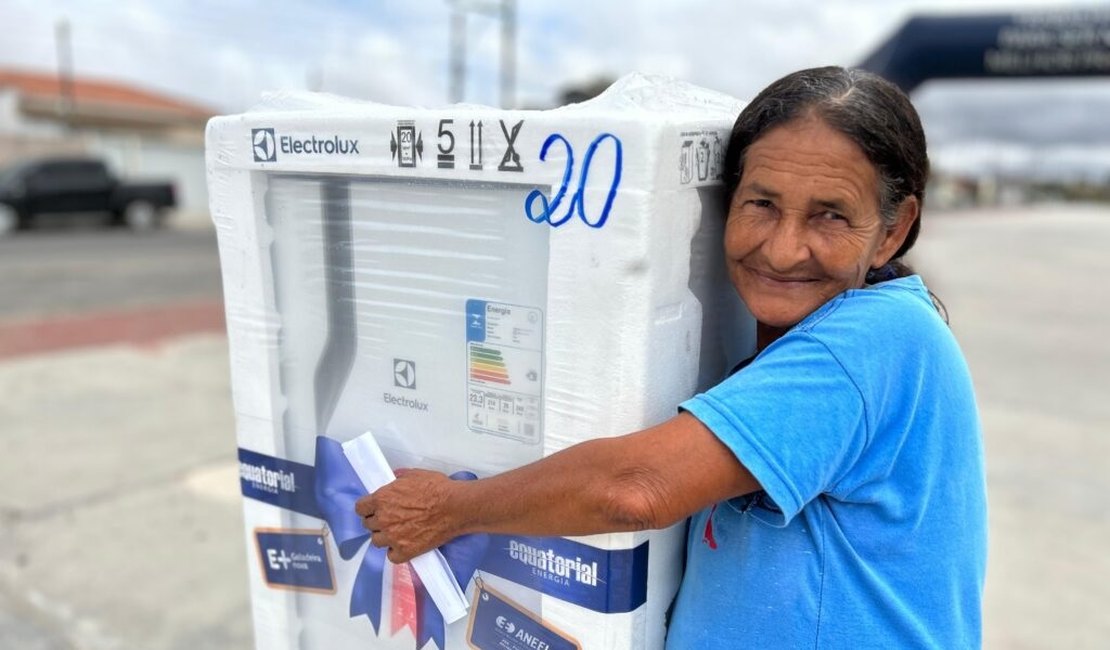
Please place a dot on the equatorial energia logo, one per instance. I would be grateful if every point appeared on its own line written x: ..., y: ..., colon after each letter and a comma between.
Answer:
x: 265, y: 145
x: 546, y: 563
x: 274, y: 481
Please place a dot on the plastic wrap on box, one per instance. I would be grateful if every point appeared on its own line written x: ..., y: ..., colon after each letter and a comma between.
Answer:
x: 480, y: 288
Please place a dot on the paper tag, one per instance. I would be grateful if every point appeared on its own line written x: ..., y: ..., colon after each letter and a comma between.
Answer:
x: 497, y: 623
x: 373, y: 470
x: 295, y: 559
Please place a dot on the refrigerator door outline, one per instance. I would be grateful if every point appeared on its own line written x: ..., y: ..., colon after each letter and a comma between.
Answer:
x: 358, y: 279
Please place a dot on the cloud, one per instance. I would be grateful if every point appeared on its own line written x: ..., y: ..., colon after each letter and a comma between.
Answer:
x: 1038, y: 112
x: 226, y: 53
x: 1009, y: 159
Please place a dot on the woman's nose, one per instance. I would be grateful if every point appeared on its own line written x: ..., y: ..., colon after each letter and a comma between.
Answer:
x: 785, y: 247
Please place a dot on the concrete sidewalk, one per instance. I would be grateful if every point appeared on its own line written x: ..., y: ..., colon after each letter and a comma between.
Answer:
x: 120, y: 523
x: 1028, y: 298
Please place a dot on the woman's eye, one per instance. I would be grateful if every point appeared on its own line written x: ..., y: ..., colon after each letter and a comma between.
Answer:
x: 763, y: 204
x: 829, y: 215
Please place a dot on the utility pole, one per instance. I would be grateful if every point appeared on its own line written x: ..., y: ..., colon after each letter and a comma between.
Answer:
x: 508, y: 53
x: 66, y: 102
x: 458, y: 52
x: 314, y: 78
x: 505, y: 12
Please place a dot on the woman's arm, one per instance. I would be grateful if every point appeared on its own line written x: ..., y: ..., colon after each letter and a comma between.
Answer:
x: 649, y: 479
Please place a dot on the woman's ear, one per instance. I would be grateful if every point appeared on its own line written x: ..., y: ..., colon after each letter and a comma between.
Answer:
x: 909, y: 211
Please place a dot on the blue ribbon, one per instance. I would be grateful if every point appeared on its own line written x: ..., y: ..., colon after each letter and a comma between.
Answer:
x: 464, y: 555
x: 337, y: 489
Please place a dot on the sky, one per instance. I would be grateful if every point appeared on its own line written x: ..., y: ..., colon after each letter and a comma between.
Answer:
x: 226, y: 53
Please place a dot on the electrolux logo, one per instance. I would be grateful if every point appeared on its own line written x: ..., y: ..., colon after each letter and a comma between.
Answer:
x: 263, y: 145
x: 312, y: 144
x: 397, y: 400
x: 404, y: 373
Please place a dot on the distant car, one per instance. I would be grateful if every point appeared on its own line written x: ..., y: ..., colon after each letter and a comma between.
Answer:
x: 67, y: 186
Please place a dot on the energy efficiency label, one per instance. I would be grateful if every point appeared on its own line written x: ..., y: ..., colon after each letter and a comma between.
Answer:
x: 504, y: 370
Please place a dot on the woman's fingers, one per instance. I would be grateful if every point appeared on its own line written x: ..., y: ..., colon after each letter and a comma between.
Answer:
x: 365, y: 506
x: 396, y: 556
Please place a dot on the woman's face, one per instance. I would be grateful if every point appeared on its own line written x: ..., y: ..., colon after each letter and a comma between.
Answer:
x: 804, y: 222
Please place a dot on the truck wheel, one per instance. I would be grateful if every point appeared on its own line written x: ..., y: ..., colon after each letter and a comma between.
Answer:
x: 141, y: 216
x: 9, y: 220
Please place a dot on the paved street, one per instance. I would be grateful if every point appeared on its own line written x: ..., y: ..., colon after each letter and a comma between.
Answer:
x: 119, y: 510
x: 78, y: 270
x: 1029, y: 301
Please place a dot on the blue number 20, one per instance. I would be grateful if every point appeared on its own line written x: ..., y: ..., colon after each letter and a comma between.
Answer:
x: 577, y: 202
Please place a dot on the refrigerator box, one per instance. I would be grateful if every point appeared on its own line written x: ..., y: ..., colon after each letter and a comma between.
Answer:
x: 478, y: 288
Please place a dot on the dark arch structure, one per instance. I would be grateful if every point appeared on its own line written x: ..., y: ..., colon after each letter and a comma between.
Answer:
x: 1042, y: 44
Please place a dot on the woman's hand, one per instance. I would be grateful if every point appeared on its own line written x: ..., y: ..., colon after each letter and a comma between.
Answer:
x: 411, y: 515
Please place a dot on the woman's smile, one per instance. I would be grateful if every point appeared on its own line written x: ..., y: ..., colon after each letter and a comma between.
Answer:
x: 777, y: 281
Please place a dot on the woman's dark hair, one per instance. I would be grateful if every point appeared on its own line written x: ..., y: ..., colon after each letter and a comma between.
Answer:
x: 872, y: 112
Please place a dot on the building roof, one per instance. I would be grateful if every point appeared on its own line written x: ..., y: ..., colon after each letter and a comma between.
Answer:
x: 100, y: 101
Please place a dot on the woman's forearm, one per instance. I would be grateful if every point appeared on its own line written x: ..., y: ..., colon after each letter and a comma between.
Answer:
x: 592, y: 487
x: 648, y: 479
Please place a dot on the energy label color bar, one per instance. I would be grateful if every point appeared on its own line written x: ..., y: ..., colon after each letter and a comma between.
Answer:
x: 487, y: 364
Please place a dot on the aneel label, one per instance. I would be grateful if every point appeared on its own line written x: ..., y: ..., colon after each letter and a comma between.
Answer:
x: 295, y: 559
x: 504, y: 369
x: 497, y: 623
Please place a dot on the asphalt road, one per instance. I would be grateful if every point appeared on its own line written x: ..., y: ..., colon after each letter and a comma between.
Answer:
x: 120, y: 524
x: 58, y: 271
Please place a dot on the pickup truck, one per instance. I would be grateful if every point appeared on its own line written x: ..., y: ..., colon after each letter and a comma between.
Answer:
x: 67, y: 186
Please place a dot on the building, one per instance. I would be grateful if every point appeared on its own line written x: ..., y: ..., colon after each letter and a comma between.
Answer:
x: 142, y: 134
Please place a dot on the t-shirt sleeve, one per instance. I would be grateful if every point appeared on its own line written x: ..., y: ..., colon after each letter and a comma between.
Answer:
x: 793, y: 418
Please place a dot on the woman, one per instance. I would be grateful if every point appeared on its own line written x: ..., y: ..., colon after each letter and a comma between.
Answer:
x: 836, y: 481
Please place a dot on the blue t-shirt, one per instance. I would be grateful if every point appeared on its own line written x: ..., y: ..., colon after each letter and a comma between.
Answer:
x: 860, y: 424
